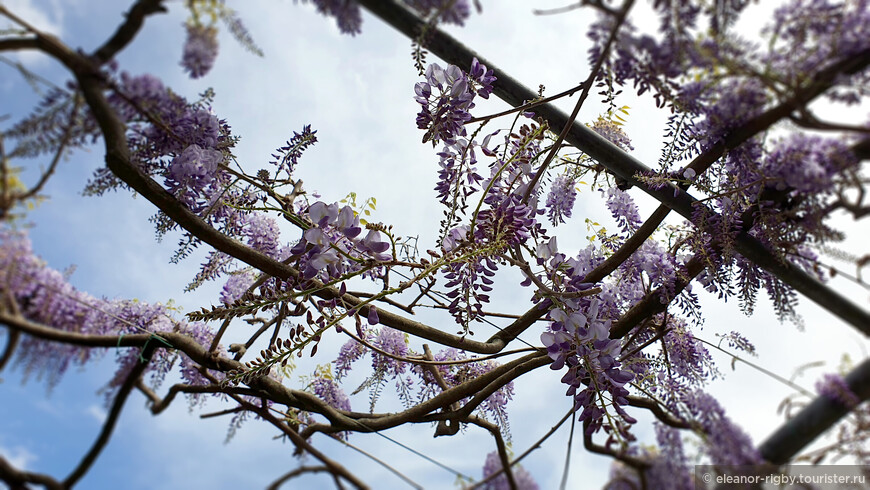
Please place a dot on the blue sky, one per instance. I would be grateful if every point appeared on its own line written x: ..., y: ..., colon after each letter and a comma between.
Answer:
x: 357, y: 93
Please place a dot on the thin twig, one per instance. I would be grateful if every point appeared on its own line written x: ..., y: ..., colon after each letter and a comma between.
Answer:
x: 528, y: 451
x: 500, y: 446
x: 67, y: 132
x: 112, y: 418
x: 300, y: 442
x: 294, y: 473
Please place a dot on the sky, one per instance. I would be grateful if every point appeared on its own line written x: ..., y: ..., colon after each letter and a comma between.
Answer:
x: 357, y: 92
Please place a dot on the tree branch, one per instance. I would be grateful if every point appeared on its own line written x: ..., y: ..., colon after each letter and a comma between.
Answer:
x: 294, y: 473
x: 112, y: 419
x: 422, y: 412
x: 528, y: 451
x: 198, y: 353
x: 118, y: 161
x: 128, y: 30
x: 17, y: 44
x: 17, y: 478
x: 500, y: 446
x: 300, y: 442
x: 656, y: 409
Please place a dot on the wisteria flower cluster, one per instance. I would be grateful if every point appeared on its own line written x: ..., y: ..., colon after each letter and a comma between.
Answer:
x: 560, y: 199
x: 200, y: 50
x: 45, y: 296
x: 581, y: 342
x: 522, y: 478
x: 392, y: 361
x: 349, y: 18
x: 447, y: 96
x: 617, y: 318
x: 786, y: 200
x: 326, y: 247
x: 184, y: 142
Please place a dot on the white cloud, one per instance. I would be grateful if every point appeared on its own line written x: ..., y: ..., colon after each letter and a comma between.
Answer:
x: 41, y: 17
x: 97, y: 412
x: 18, y: 456
x: 47, y: 19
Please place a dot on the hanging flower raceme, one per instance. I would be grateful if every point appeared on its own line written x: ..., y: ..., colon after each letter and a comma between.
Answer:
x: 448, y: 11
x: 447, y: 97
x: 522, y: 478
x: 200, y: 50
x: 560, y: 200
x: 195, y: 168
x: 612, y: 132
x: 43, y: 295
x: 347, y: 14
x: 580, y: 340
x: 332, y: 247
x: 183, y: 142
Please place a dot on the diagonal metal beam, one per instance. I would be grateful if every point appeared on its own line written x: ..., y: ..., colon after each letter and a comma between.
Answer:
x: 814, y: 419
x: 626, y: 166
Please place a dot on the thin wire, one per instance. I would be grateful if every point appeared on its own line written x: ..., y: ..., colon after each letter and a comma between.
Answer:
x: 427, y: 458
x: 564, y: 483
x: 781, y: 379
x: 385, y: 465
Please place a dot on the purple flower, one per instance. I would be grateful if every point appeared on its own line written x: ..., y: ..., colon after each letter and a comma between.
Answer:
x: 726, y: 443
x: 190, y: 371
x: 348, y: 222
x: 579, y: 339
x: 612, y: 132
x: 287, y: 157
x: 560, y: 200
x: 200, y: 50
x: 808, y: 164
x: 445, y: 116
x: 623, y: 209
x: 143, y: 87
x: 235, y: 287
x: 262, y: 233
x: 668, y: 468
x: 373, y: 315
x: 43, y: 295
x: 687, y: 355
x: 346, y: 12
x: 392, y: 341
x: 351, y: 352
x: 522, y: 477
x: 323, y: 214
x: 323, y: 259
x: 449, y: 11
x: 374, y: 243
x: 483, y: 76
x: 316, y: 236
x: 197, y: 125
x: 195, y: 167
x: 330, y: 392
x: 739, y: 342
x: 546, y: 250
x: 454, y: 238
x: 834, y: 387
